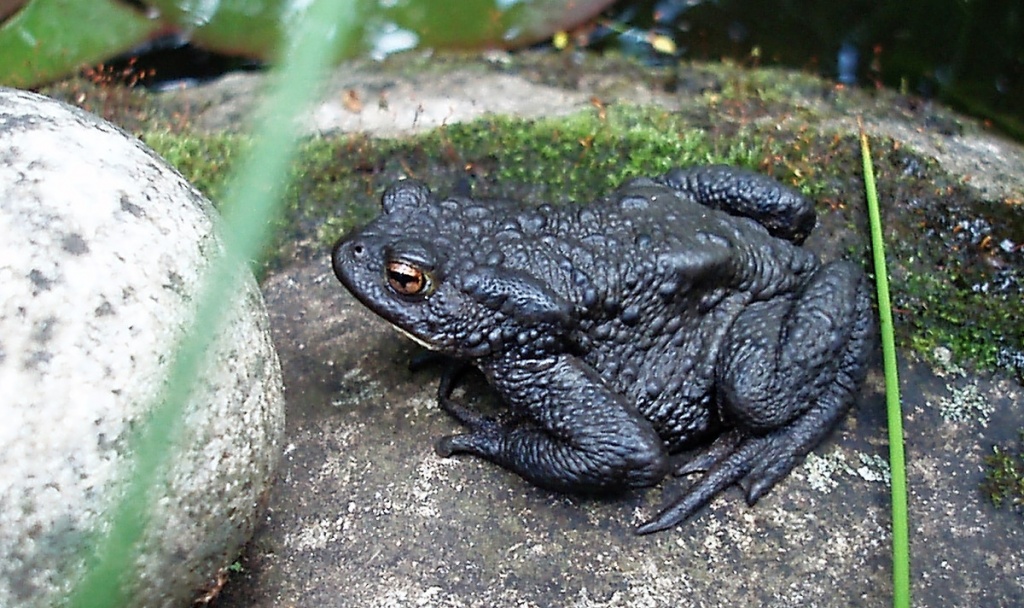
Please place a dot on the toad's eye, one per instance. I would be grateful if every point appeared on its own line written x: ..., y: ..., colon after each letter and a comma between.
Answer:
x: 408, y: 280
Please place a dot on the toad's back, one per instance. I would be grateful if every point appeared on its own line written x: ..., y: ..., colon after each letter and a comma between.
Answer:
x: 655, y: 280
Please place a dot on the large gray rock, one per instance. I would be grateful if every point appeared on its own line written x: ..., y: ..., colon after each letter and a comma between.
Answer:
x: 102, y: 246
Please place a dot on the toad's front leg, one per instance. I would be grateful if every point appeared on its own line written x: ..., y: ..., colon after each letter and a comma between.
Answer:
x: 569, y: 432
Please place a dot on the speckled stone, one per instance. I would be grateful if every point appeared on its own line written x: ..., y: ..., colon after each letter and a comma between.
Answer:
x: 101, y: 249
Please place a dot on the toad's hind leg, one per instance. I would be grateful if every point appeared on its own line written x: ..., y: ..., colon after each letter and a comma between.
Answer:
x: 787, y: 375
x: 790, y: 376
x: 782, y: 210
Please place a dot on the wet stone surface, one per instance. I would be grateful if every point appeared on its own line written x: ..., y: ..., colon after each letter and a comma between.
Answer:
x: 365, y: 513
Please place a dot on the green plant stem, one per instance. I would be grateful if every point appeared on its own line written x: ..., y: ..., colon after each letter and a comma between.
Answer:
x: 251, y: 201
x: 897, y: 463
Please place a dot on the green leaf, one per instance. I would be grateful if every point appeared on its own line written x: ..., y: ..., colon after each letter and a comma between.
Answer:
x: 48, y: 38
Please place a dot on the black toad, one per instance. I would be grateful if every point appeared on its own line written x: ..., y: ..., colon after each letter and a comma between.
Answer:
x: 677, y: 313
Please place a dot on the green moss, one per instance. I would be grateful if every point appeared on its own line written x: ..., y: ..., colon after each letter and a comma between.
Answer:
x: 935, y: 311
x: 959, y: 280
x: 327, y: 178
x: 337, y: 181
x: 204, y: 160
x: 574, y: 157
x: 1004, y: 479
x: 98, y: 91
x: 768, y: 85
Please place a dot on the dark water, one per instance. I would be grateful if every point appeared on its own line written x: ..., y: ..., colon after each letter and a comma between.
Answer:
x: 968, y: 53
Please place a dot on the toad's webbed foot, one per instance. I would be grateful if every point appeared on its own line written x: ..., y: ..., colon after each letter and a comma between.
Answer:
x: 454, y: 370
x: 728, y: 460
x: 703, y: 460
x: 450, y: 378
x: 755, y: 463
x: 482, y: 427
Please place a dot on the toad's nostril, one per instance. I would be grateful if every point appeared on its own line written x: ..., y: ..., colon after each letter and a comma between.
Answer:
x: 347, y: 248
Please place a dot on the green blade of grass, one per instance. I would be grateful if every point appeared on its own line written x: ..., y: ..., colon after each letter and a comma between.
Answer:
x: 252, y: 199
x: 897, y: 463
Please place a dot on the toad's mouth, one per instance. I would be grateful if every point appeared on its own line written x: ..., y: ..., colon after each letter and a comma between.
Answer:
x: 415, y: 338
